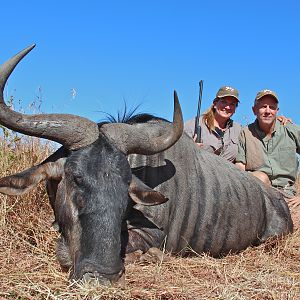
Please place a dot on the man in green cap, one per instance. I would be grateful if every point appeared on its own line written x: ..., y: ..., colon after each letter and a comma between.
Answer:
x: 268, y: 150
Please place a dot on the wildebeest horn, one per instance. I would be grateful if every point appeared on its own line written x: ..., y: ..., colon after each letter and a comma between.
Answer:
x: 140, y: 138
x: 69, y: 130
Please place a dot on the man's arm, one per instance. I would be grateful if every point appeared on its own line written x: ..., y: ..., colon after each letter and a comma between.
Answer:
x: 294, y: 129
x: 298, y: 139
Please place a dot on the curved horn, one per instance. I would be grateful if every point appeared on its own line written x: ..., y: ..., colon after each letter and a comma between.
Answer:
x: 140, y: 139
x: 69, y: 130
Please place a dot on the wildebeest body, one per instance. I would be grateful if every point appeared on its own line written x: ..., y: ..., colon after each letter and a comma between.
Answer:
x: 213, y: 206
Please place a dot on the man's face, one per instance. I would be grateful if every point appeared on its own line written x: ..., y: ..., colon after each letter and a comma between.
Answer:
x: 266, y: 110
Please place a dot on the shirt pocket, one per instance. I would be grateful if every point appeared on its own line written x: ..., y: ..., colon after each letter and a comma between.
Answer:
x: 233, y: 146
x: 287, y: 158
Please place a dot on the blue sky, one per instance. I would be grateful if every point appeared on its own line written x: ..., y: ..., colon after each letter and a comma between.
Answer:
x: 91, y: 56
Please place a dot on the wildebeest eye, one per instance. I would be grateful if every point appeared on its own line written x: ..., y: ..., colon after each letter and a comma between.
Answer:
x: 80, y: 202
x: 78, y: 179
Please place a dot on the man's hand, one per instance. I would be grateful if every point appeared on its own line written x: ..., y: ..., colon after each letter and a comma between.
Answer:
x: 203, y: 146
x: 240, y: 166
x: 198, y: 144
x: 284, y: 120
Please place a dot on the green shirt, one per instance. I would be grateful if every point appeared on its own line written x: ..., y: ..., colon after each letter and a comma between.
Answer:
x: 275, y: 156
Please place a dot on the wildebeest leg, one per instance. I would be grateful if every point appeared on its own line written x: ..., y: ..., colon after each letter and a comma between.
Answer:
x: 51, y: 187
x: 153, y: 255
x: 139, y: 233
x: 135, y: 247
x: 278, y: 218
x: 139, y: 241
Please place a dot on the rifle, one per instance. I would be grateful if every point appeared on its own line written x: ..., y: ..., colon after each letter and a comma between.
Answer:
x: 197, y: 130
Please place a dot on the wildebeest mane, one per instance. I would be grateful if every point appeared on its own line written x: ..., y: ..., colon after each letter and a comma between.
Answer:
x: 129, y: 117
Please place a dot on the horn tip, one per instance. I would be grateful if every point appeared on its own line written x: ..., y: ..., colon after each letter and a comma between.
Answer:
x: 176, y: 100
x: 29, y: 48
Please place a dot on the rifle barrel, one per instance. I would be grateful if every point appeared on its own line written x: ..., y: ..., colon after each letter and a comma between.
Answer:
x: 197, y: 126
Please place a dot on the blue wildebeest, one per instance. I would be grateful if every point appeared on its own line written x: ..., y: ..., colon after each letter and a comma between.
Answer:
x: 120, y: 187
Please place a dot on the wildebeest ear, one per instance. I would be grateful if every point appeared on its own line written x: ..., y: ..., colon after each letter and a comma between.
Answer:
x: 142, y: 194
x: 23, y: 182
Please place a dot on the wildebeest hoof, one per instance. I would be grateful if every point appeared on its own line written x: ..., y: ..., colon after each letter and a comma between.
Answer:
x: 55, y: 226
x: 133, y: 257
x: 154, y: 255
x: 121, y: 282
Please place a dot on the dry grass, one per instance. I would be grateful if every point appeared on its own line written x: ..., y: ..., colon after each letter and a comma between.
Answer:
x: 29, y: 270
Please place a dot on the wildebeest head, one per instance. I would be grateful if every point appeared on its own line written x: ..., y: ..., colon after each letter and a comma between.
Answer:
x: 92, y: 179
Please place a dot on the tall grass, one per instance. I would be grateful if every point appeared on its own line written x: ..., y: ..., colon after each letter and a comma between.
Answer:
x: 29, y: 269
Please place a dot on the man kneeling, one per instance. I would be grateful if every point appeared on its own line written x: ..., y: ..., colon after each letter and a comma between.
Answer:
x: 268, y: 150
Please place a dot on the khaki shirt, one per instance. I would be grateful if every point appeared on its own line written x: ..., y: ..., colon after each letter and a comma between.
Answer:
x: 227, y: 146
x: 275, y: 156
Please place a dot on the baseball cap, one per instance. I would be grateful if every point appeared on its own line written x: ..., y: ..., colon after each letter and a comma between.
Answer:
x: 263, y: 93
x: 225, y: 91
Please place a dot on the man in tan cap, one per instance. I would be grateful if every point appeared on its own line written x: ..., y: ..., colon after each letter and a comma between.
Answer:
x: 268, y: 150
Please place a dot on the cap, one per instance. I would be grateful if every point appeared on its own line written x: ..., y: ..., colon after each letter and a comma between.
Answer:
x: 225, y: 91
x: 263, y: 93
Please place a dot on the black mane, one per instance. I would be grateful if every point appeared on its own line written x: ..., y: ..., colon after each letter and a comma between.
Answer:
x: 129, y: 117
x: 141, y: 118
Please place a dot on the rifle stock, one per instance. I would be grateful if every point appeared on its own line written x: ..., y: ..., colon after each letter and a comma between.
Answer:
x: 197, y: 132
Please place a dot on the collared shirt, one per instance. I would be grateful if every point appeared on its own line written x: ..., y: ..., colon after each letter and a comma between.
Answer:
x: 223, y: 143
x: 276, y: 155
